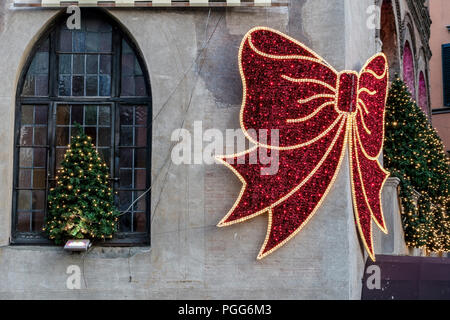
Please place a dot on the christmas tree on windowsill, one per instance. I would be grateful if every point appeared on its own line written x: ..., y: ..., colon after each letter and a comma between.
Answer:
x: 81, y: 206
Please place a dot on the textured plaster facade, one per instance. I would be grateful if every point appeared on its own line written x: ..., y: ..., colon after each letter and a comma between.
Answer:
x: 192, y: 61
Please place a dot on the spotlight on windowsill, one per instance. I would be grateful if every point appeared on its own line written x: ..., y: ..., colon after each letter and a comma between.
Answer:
x: 75, y: 245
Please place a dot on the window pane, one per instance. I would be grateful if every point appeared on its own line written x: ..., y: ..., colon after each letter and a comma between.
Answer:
x: 60, y: 156
x: 139, y: 86
x: 78, y: 86
x: 92, y: 86
x: 77, y: 114
x: 126, y: 115
x: 78, y: 64
x: 126, y: 136
x: 140, y: 158
x: 65, y: 40
x: 105, y: 85
x: 64, y: 85
x: 106, y: 42
x: 41, y: 85
x: 25, y: 157
x: 140, y: 136
x: 29, y: 86
x: 24, y: 200
x: 128, y: 86
x: 79, y: 41
x: 26, y: 136
x: 125, y: 223
x: 105, y: 64
x: 62, y: 136
x: 65, y: 63
x: 132, y: 82
x: 93, y: 25
x: 39, y: 179
x: 39, y: 157
x: 91, y: 115
x: 127, y: 64
x: 140, y: 220
x: 126, y: 178
x: 23, y: 221
x: 105, y: 155
x: 37, y: 221
x: 126, y: 158
x: 104, y: 137
x: 124, y: 200
x: 36, y: 79
x: 141, y: 204
x: 62, y: 115
x: 40, y: 136
x: 27, y: 115
x: 446, y: 73
x: 140, y: 179
x: 39, y: 200
x: 141, y: 116
x: 92, y: 132
x: 92, y: 42
x: 92, y: 64
x: 40, y: 115
x: 25, y: 178
x: 104, y: 117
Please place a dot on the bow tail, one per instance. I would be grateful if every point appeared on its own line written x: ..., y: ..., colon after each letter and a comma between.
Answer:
x: 367, y: 178
x: 304, y: 203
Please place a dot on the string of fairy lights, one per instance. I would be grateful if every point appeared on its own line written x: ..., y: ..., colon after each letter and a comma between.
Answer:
x: 414, y: 153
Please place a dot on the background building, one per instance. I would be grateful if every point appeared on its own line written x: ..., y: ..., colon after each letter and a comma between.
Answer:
x: 157, y: 70
x: 440, y: 68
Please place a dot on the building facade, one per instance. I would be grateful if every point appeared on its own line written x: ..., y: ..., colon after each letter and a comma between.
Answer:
x: 134, y: 76
x: 440, y: 66
x: 404, y: 37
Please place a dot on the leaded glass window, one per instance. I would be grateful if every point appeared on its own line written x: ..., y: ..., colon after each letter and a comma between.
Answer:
x: 95, y: 77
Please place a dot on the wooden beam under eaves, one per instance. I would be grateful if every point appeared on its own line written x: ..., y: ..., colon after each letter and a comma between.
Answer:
x: 148, y: 3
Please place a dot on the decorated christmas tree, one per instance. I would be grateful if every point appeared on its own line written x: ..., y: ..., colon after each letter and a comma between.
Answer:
x: 414, y: 153
x: 81, y: 206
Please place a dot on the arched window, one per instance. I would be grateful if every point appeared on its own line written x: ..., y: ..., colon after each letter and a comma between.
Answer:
x: 96, y: 77
x: 423, y: 93
x: 408, y: 69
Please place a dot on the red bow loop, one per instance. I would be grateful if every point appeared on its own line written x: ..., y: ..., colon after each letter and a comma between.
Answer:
x: 285, y: 86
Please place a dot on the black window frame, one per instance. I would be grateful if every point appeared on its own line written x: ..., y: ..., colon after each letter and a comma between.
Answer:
x: 446, y: 74
x: 53, y: 99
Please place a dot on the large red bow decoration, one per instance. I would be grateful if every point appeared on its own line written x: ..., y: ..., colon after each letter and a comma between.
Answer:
x: 317, y: 112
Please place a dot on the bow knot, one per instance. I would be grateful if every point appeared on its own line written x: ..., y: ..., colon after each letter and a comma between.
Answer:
x: 347, y: 92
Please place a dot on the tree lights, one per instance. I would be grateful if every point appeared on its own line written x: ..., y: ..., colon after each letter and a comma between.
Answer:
x: 82, y: 203
x: 414, y: 153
